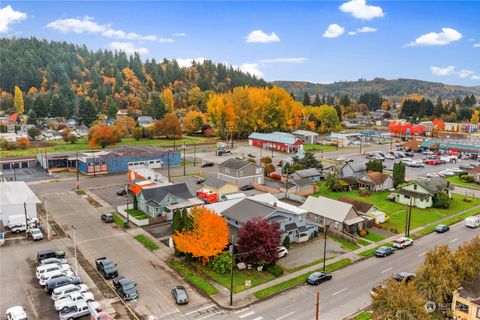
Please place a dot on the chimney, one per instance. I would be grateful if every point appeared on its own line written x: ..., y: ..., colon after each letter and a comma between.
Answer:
x: 275, y: 204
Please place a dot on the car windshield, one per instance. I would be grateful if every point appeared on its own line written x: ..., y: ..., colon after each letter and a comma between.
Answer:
x: 128, y: 286
x: 181, y: 294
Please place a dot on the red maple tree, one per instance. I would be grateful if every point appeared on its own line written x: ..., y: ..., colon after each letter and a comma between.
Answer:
x: 258, y: 241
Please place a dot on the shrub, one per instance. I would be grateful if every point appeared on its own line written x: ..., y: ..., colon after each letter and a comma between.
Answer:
x: 286, y: 242
x: 365, y: 193
x: 461, y: 174
x: 467, y: 178
x: 363, y: 232
x: 274, y: 269
x: 441, y: 201
x: 221, y: 264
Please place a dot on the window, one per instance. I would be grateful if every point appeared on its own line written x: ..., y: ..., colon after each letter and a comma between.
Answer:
x: 240, y: 173
x: 461, y: 307
x: 259, y: 170
x: 414, y: 187
x: 227, y: 170
x: 406, y: 197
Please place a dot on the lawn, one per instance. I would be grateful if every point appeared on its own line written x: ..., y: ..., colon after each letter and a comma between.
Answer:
x: 373, y: 237
x: 397, y: 212
x: 193, y: 278
x: 364, y: 315
x: 371, y: 252
x: 306, y: 265
x: 147, y: 243
x: 345, y: 244
x: 448, y: 222
x: 455, y: 180
x: 363, y: 242
x: 318, y: 148
x: 82, y: 144
x: 137, y: 214
x: 298, y: 280
x: 118, y: 220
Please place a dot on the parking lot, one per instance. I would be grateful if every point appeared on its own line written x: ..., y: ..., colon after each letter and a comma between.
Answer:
x: 27, y: 174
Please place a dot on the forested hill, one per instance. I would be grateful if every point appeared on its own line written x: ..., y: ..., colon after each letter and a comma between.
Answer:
x: 394, y: 90
x: 62, y: 73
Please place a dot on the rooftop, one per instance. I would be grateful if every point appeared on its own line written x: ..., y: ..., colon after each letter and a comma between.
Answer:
x: 305, y: 133
x: 360, y: 206
x: 280, y: 137
x: 471, y: 290
x: 235, y: 164
x: 16, y: 192
x: 214, y: 183
x: 157, y: 194
x: 326, y: 207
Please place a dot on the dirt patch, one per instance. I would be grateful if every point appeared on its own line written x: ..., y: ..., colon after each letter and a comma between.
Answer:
x: 57, y: 231
x: 93, y: 202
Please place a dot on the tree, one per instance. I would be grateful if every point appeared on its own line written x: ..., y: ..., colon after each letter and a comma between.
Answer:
x: 398, y: 301
x: 467, y: 259
x: 286, y: 242
x: 193, y: 121
x: 34, y: 132
x: 138, y: 133
x: 308, y: 161
x: 265, y: 160
x: 168, y: 98
x: 474, y: 118
x: 258, y: 241
x: 221, y: 264
x: 18, y: 100
x: 398, y: 173
x: 269, y: 168
x: 177, y: 224
x: 23, y: 142
x: 331, y: 181
x: 72, y: 138
x: 87, y: 111
x: 125, y: 126
x: 169, y: 126
x: 65, y: 134
x: 306, y: 99
x: 328, y: 117
x: 207, y: 238
x: 112, y: 108
x: 103, y: 136
x: 374, y: 165
x: 441, y: 200
x: 317, y: 101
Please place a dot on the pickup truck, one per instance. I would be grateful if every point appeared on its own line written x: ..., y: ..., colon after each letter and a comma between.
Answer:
x: 125, y: 288
x: 77, y: 311
x: 106, y: 267
x: 73, y: 299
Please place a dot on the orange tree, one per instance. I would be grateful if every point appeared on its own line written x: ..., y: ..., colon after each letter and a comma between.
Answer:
x: 103, y: 136
x: 207, y: 237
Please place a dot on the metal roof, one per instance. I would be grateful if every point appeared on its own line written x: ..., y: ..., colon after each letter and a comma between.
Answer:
x: 215, y: 183
x: 279, y: 137
x: 305, y: 133
x: 16, y: 192
x: 328, y: 208
x: 157, y: 194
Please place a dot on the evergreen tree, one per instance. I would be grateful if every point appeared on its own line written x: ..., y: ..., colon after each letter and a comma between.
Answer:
x: 398, y: 173
x: 374, y: 165
x: 339, y: 112
x: 87, y: 111
x: 317, y: 101
x: 176, y: 221
x: 306, y: 99
x: 112, y: 108
x: 57, y: 106
x: 344, y: 100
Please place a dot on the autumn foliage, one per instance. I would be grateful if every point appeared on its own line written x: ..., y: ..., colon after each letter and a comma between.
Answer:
x: 207, y: 238
x: 258, y: 241
x: 438, y: 123
x: 401, y: 128
x: 103, y: 136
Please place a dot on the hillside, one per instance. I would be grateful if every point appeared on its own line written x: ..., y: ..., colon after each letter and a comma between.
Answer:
x: 391, y: 89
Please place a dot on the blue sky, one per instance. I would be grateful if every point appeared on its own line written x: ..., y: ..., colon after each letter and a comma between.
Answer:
x: 312, y: 41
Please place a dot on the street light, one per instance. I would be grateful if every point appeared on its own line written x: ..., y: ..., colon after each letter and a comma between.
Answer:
x: 75, y: 249
x: 48, y: 224
x: 325, y: 231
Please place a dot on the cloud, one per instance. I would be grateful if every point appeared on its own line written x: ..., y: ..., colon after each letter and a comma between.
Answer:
x: 165, y: 40
x: 366, y: 29
x: 285, y: 60
x: 9, y: 16
x: 476, y: 45
x: 252, y: 68
x: 180, y: 34
x: 187, y: 62
x: 464, y: 73
x: 352, y: 33
x: 333, y: 31
x: 127, y: 47
x: 475, y: 77
x: 445, y: 37
x: 360, y: 10
x: 258, y: 36
x: 87, y: 25
x: 438, y: 71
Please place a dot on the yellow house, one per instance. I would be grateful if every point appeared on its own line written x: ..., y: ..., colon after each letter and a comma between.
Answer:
x: 220, y: 187
x: 466, y: 301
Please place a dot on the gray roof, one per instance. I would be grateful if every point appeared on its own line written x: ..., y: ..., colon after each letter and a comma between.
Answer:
x: 144, y: 119
x: 247, y: 209
x: 305, y: 133
x: 432, y: 185
x: 290, y: 227
x: 234, y: 164
x: 153, y: 203
x: 307, y: 173
x: 280, y: 137
x: 326, y: 207
x: 215, y: 182
x: 303, y: 182
x: 357, y: 166
x: 157, y: 194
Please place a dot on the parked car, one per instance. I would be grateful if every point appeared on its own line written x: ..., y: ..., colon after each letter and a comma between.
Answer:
x: 434, y: 162
x: 391, y: 197
x: 247, y: 187
x: 50, y: 253
x: 409, y: 154
x: 384, y: 251
x: 408, y: 162
x: 318, y: 277
x: 251, y: 155
x: 207, y: 164
x: 457, y: 170
x: 59, y: 282
x: 466, y: 167
x: 389, y: 156
x: 47, y: 276
x: 122, y: 192
x: 201, y: 180
x: 125, y: 288
x: 282, y: 251
x: 472, y: 222
x: 107, y: 217
x: 341, y: 159
x: 77, y: 311
x: 53, y: 261
x: 16, y: 313
x: 404, y: 276
x: 51, y: 267
x: 441, y: 228
x: 180, y: 295
x: 36, y: 234
x: 106, y: 267
x: 431, y: 175
x: 447, y: 173
x: 64, y: 291
x: 378, y: 157
x: 73, y: 299
x: 402, y: 243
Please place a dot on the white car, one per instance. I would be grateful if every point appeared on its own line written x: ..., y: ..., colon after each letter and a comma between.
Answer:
x: 447, y: 173
x: 431, y: 175
x: 389, y: 157
x: 418, y: 164
x: 50, y: 268
x: 402, y: 243
x: 54, y: 274
x: 16, y: 313
x: 77, y: 311
x: 53, y: 260
x: 36, y: 234
x: 456, y: 170
x: 72, y: 299
x: 472, y: 222
x: 378, y: 157
x: 64, y: 291
x: 341, y: 159
x: 282, y: 251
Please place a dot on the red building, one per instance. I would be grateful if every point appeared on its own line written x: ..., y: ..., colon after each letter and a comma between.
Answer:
x: 278, y: 141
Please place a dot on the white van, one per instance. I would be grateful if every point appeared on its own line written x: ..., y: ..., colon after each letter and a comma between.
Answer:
x: 472, y: 222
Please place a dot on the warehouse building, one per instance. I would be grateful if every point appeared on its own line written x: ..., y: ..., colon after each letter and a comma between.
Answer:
x: 278, y: 141
x: 16, y: 198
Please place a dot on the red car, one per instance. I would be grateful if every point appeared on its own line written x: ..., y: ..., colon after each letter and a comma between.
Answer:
x: 433, y: 161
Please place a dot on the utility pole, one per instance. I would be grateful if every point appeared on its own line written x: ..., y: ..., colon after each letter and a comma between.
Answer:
x: 14, y: 172
x: 174, y: 147
x: 76, y: 166
x: 194, y: 150
x: 408, y: 218
x: 317, y: 306
x: 48, y: 224
x: 75, y: 249
x: 231, y: 271
x: 26, y: 219
x: 286, y: 184
x: 361, y: 141
x: 325, y: 230
x: 94, y: 165
x: 184, y: 147
x: 168, y: 165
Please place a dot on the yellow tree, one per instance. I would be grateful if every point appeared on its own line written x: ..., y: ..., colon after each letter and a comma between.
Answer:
x: 193, y: 121
x: 474, y: 118
x: 169, y: 101
x: 18, y: 100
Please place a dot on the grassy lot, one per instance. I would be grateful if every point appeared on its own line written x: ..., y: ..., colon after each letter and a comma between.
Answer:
x: 345, y: 244
x: 306, y: 265
x: 371, y: 252
x: 239, y: 277
x: 364, y: 315
x: 455, y: 180
x: 147, y: 243
x: 137, y: 214
x: 117, y: 220
x: 373, y: 237
x: 448, y: 222
x: 318, y: 148
x: 363, y: 242
x: 298, y: 280
x: 82, y: 144
x: 193, y: 278
x: 397, y: 212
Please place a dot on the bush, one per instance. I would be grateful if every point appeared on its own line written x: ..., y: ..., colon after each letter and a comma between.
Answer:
x: 286, y: 242
x: 461, y: 174
x: 441, y: 201
x: 363, y: 233
x: 365, y: 193
x: 221, y: 264
x: 467, y: 178
x: 274, y: 269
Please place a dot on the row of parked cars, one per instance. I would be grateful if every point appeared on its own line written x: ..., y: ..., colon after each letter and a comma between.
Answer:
x: 124, y: 287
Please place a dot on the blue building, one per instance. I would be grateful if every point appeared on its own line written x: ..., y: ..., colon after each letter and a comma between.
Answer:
x: 119, y: 160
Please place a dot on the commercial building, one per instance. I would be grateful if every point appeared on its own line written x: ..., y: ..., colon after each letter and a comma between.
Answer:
x: 16, y: 198
x: 240, y: 172
x: 307, y: 137
x: 452, y: 145
x: 278, y: 141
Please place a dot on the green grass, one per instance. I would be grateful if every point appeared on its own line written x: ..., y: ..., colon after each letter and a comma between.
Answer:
x: 117, y: 220
x: 298, y: 280
x: 397, y: 211
x: 345, y: 244
x: 448, y: 222
x: 147, y: 243
x: 318, y: 148
x: 202, y: 284
x: 82, y: 144
x: 306, y: 265
x: 455, y: 180
x: 239, y: 277
x: 373, y: 237
x: 363, y: 242
x: 371, y: 252
x: 137, y: 214
x: 364, y: 315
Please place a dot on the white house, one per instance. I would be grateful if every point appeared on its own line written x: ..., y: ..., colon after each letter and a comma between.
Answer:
x: 15, y: 196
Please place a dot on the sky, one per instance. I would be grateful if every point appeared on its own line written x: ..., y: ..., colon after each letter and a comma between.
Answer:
x: 316, y: 41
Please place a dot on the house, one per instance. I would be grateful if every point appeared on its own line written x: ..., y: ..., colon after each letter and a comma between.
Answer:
x: 475, y: 173
x: 307, y: 137
x: 220, y: 187
x: 163, y: 200
x: 140, y: 178
x: 240, y: 172
x: 375, y: 181
x: 349, y: 169
x: 16, y: 198
x: 312, y: 173
x: 419, y: 193
x: 366, y: 209
x: 122, y: 113
x: 466, y: 301
x: 144, y: 121
x: 301, y: 187
x: 339, y: 216
x: 278, y: 141
x: 292, y: 220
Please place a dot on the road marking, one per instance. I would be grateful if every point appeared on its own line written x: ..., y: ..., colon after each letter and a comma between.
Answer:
x: 241, y: 310
x: 453, y: 240
x: 285, y: 315
x: 160, y: 293
x: 339, y: 292
x: 210, y: 315
x: 206, y: 307
x: 246, y: 314
x: 422, y: 254
x: 258, y: 318
x: 386, y: 270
